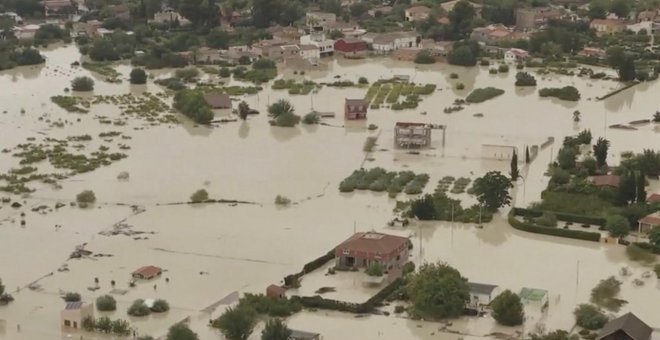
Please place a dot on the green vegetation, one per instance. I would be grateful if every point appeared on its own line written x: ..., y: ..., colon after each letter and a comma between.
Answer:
x: 605, y: 294
x: 424, y: 57
x: 637, y: 253
x: 530, y: 226
x: 283, y: 114
x: 525, y: 79
x: 85, y: 198
x: 281, y: 200
x: 589, y: 317
x: 568, y: 93
x: 199, y: 196
x: 375, y: 269
x: 180, y: 331
x: 106, y: 303
x: 304, y: 88
x: 378, y: 179
x: 138, y: 76
x: 492, y: 190
x: 508, y: 309
x: 236, y: 323
x: 442, y: 208
x: 138, y: 308
x: 105, y: 325
x: 70, y: 104
x: 275, y: 329
x: 391, y: 90
x: 187, y: 74
x: 71, y: 297
x: 160, y: 306
x: 82, y: 84
x: 11, y: 56
x: 483, y: 94
x: 111, y: 75
x: 617, y: 225
x: 437, y: 291
x: 311, y: 118
x: 192, y: 104
x: 464, y: 53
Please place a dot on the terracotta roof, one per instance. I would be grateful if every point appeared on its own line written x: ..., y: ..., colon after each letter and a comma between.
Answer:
x: 652, y: 219
x: 356, y: 102
x: 374, y: 243
x: 148, y: 271
x: 635, y: 328
x: 653, y: 198
x: 352, y: 40
x: 275, y: 288
x: 606, y: 180
x: 218, y: 100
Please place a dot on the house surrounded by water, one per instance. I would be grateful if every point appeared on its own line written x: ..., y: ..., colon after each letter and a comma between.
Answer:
x: 416, y: 135
x: 74, y: 313
x: 366, y: 248
x: 355, y: 109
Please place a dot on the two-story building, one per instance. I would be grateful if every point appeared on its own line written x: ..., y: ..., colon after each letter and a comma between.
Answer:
x: 417, y: 13
x: 416, y: 135
x: 318, y: 38
x: 607, y: 26
x: 366, y: 248
x: 388, y: 42
x: 355, y: 109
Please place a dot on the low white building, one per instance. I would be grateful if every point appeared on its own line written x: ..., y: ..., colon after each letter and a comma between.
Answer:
x: 310, y: 53
x: 17, y: 18
x: 388, y: 42
x: 326, y: 46
x: 74, y: 313
x: 482, y: 294
x: 169, y: 15
x: 25, y: 32
x: 514, y: 55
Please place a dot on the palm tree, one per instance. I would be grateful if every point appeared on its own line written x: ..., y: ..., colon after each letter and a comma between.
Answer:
x: 243, y: 110
x: 275, y: 329
x: 280, y: 108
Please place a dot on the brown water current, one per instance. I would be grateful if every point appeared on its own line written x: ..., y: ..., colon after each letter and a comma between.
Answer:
x: 210, y: 251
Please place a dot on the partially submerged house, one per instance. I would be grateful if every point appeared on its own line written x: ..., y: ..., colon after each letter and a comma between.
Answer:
x: 366, y: 248
x: 482, y: 294
x: 625, y: 327
x: 648, y: 222
x: 218, y: 100
x: 147, y: 272
x: 607, y: 26
x: 412, y: 135
x: 515, y: 55
x: 534, y: 296
x: 388, y: 42
x: 74, y: 313
x: 275, y: 291
x: 355, y: 109
x: 351, y: 47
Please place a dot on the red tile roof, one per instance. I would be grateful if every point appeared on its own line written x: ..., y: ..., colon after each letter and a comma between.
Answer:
x: 218, y: 100
x: 372, y: 245
x: 148, y: 271
x: 652, y: 219
x: 606, y: 180
x: 653, y: 198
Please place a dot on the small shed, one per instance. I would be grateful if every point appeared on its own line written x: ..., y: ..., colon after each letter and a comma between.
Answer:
x: 147, y: 272
x: 481, y: 294
x: 74, y: 313
x: 355, y: 109
x: 302, y: 335
x: 649, y: 222
x: 218, y: 100
x: 276, y: 292
x: 534, y: 296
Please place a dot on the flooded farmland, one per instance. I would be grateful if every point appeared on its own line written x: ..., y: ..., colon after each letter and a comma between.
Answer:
x: 211, y: 251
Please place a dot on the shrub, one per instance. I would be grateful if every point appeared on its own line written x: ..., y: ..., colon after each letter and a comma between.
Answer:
x: 453, y: 76
x: 261, y: 64
x: 160, y: 306
x: 589, y: 317
x: 424, y: 57
x: 508, y: 309
x: 503, y: 68
x: 546, y: 220
x: 656, y: 269
x: 138, y: 308
x: 106, y: 303
x: 286, y: 120
x: 82, y: 84
x: 492, y: 71
x: 484, y: 62
x: 192, y: 104
x: 398, y: 309
x: 85, y: 198
x: 568, y: 93
x: 525, y: 79
x: 363, y: 81
x: 281, y: 200
x: 224, y: 72
x: 71, y: 297
x: 187, y: 74
x: 460, y: 86
x: 311, y: 118
x: 483, y: 94
x: 637, y: 253
x: 138, y: 76
x: 530, y: 227
x: 618, y: 226
x: 200, y: 195
x: 375, y: 269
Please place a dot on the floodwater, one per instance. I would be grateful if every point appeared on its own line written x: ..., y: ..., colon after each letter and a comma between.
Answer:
x: 211, y: 251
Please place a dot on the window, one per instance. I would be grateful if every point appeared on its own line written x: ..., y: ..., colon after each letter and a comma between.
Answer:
x: 346, y: 252
x: 67, y: 323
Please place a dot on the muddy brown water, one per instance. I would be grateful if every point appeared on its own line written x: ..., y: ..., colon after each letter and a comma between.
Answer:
x: 244, y: 248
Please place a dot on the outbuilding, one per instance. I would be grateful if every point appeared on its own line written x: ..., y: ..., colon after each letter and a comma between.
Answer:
x: 649, y: 222
x: 74, y: 313
x: 275, y: 291
x: 147, y: 272
x: 625, y: 327
x: 482, y: 294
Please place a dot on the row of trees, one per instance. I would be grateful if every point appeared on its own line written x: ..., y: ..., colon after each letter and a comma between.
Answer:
x: 192, y: 104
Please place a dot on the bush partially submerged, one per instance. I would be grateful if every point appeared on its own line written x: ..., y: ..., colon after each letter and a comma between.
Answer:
x: 200, y: 195
x: 483, y: 94
x: 138, y: 308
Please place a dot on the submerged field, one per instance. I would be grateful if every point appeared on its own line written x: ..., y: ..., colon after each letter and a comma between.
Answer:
x: 213, y: 250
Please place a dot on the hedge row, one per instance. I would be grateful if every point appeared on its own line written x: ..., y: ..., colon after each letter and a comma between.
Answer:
x: 309, y: 267
x: 368, y: 306
x: 566, y: 217
x: 648, y: 246
x: 532, y: 228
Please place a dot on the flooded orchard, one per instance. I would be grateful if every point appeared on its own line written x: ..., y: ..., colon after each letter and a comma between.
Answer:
x: 211, y: 252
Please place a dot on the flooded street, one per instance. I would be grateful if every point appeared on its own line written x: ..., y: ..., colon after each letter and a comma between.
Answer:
x: 210, y: 251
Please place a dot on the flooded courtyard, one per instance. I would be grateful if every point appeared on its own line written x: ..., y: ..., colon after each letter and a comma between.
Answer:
x: 211, y: 251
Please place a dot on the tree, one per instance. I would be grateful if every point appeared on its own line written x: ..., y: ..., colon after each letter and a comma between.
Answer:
x: 236, y: 323
x: 623, y: 62
x: 103, y: 50
x: 181, y: 331
x: 275, y: 329
x: 640, y: 187
x: 106, y: 303
x: 85, y: 197
x: 121, y: 327
x: 654, y: 237
x: 160, y: 306
x: 566, y: 158
x: 656, y: 117
x: 138, y: 76
x: 437, y: 290
x: 460, y: 18
x: 218, y: 39
x: 589, y: 317
x: 71, y: 297
x: 621, y: 8
x: 600, y: 151
x: 225, y: 72
x: 2, y: 288
x: 424, y: 57
x: 525, y: 79
x: 597, y: 9
x: 82, y: 84
x: 514, y: 167
x: 138, y: 308
x: 507, y: 309
x: 617, y: 225
x: 375, y: 269
x: 104, y: 324
x: 280, y: 107
x: 492, y: 190
x: 554, y: 335
x: 462, y: 56
x: 243, y: 110
x: 198, y: 196
x: 590, y: 164
x: 527, y: 158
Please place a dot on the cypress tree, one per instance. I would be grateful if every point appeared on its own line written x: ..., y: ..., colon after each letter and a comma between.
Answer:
x: 514, y: 167
x: 527, y: 159
x: 640, y: 191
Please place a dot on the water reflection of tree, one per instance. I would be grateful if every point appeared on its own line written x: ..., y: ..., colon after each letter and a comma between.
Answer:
x: 283, y: 134
x: 617, y: 102
x: 25, y: 72
x: 466, y: 75
x: 494, y: 233
x: 194, y: 129
x: 244, y: 130
x: 524, y: 91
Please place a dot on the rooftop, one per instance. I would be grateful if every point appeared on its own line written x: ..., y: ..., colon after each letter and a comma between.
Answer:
x: 302, y: 335
x: 653, y: 219
x: 629, y: 324
x: 481, y: 288
x: 533, y: 294
x: 148, y: 271
x: 373, y: 242
x: 356, y: 102
x: 73, y: 305
x: 218, y: 100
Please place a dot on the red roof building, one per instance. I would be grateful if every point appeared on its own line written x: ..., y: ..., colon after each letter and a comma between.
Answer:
x: 275, y: 292
x: 366, y: 248
x: 649, y: 222
x: 147, y: 272
x: 351, y: 46
x: 653, y: 198
x: 355, y: 109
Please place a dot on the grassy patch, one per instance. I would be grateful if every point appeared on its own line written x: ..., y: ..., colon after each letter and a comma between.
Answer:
x: 483, y: 94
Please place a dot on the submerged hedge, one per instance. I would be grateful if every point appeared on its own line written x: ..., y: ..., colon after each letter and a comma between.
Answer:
x: 566, y: 217
x: 568, y: 233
